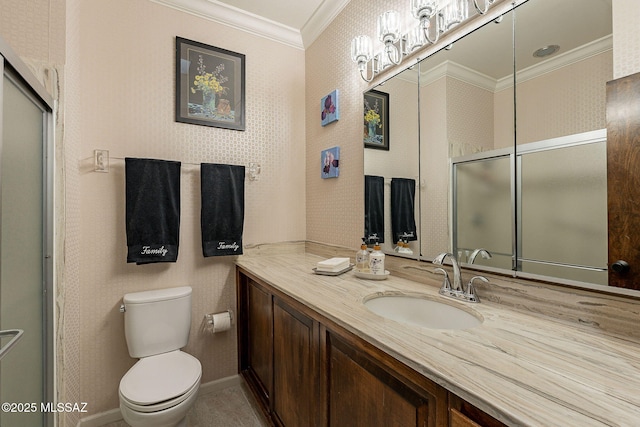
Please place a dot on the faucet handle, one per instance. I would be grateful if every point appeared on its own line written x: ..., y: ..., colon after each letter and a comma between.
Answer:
x: 470, y: 294
x: 446, y: 284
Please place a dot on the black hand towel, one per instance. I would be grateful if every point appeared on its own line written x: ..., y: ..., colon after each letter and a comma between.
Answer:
x: 153, y: 210
x: 403, y: 192
x: 374, y: 207
x: 222, y: 214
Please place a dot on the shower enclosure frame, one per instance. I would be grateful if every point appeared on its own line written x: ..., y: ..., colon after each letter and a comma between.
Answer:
x: 12, y: 67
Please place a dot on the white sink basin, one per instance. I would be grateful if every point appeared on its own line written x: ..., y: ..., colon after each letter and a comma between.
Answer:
x: 421, y: 312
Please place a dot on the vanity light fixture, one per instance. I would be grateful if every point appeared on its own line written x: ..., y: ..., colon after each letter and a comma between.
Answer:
x: 454, y: 13
x: 389, y: 34
x: 442, y: 15
x: 361, y: 54
x: 423, y: 11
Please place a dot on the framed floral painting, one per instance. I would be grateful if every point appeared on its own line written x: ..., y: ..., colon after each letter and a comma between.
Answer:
x: 329, y: 108
x: 376, y: 120
x: 209, y: 85
x: 330, y: 163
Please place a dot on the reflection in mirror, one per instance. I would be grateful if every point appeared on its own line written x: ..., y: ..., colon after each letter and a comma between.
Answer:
x: 466, y: 108
x: 562, y: 187
x: 392, y: 175
x: 562, y: 66
x: 474, y: 123
x: 561, y: 75
x: 482, y: 211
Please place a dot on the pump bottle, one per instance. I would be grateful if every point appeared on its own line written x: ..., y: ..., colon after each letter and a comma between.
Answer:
x: 376, y: 260
x: 362, y: 258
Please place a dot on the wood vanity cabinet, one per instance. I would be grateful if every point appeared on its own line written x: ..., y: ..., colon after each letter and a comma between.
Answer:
x: 296, y: 366
x: 365, y: 387
x: 255, y: 337
x: 305, y: 370
x: 278, y: 354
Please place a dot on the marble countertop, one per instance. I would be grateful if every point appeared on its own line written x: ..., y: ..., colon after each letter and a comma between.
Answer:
x: 524, y: 370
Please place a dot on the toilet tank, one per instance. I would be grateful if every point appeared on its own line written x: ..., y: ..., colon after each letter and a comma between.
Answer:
x: 157, y: 321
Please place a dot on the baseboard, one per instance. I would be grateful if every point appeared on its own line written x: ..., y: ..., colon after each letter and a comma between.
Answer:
x: 103, y: 418
x: 114, y: 415
x: 221, y: 384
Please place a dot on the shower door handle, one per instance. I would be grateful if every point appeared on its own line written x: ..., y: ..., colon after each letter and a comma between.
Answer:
x: 16, y: 334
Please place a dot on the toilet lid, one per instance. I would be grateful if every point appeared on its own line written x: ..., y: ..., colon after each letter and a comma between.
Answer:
x: 161, y: 377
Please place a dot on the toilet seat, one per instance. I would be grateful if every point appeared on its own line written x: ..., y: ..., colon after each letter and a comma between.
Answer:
x: 167, y: 404
x: 159, y: 382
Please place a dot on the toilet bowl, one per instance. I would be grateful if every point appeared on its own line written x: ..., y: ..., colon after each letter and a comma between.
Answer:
x: 163, y: 385
x: 158, y: 391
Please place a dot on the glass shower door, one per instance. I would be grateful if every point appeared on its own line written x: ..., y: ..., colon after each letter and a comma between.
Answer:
x: 22, y: 255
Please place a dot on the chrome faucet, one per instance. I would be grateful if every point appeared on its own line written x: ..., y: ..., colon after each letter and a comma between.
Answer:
x: 457, y: 276
x: 480, y: 251
x: 456, y: 291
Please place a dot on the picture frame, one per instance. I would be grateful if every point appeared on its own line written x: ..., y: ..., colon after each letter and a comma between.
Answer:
x: 329, y: 108
x: 330, y: 163
x: 210, y: 85
x: 376, y: 120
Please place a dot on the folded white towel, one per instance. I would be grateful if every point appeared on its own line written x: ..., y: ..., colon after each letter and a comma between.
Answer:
x: 333, y: 264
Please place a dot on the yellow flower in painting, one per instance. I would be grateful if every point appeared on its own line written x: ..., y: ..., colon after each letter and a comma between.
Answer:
x: 209, y: 82
x: 372, y: 116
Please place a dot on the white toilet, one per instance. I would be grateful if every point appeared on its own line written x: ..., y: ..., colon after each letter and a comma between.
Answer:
x: 161, y: 387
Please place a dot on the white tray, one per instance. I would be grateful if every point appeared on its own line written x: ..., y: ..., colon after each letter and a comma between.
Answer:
x: 371, y: 276
x: 332, y: 273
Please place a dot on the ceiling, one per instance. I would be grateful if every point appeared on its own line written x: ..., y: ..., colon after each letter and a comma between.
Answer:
x: 296, y: 23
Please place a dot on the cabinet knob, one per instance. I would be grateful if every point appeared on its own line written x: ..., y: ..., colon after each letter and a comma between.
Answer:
x: 620, y: 266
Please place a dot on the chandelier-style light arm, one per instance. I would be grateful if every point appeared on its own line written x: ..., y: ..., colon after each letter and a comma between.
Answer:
x: 484, y: 10
x: 394, y: 53
x: 363, y: 71
x: 426, y: 24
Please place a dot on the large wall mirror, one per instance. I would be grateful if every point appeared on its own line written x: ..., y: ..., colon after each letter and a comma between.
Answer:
x: 511, y: 143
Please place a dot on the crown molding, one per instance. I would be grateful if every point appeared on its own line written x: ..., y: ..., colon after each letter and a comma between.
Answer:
x: 578, y: 54
x: 468, y: 75
x: 460, y: 72
x: 320, y: 20
x: 225, y: 14
x: 228, y: 15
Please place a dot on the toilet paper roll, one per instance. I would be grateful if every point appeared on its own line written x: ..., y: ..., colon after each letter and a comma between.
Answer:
x: 221, y: 322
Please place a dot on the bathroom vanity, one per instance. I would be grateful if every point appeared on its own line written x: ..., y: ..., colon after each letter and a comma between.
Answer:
x: 313, y: 354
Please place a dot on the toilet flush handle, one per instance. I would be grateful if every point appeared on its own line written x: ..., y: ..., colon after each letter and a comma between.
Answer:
x: 122, y: 308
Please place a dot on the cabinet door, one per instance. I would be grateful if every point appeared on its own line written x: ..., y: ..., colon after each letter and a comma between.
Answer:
x: 623, y: 180
x: 258, y: 342
x: 364, y: 393
x: 295, y: 366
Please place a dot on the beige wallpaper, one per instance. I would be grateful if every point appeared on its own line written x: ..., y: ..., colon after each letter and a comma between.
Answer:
x: 544, y: 109
x: 626, y: 41
x: 69, y: 285
x: 434, y: 158
x: 401, y: 161
x: 127, y: 107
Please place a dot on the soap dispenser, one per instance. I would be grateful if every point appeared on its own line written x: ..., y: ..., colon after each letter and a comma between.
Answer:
x: 376, y: 260
x: 362, y: 258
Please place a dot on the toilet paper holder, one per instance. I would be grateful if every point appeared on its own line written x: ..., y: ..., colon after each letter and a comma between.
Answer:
x: 211, y: 322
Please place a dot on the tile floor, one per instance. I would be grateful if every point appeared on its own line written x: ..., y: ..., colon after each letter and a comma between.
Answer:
x: 231, y: 407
